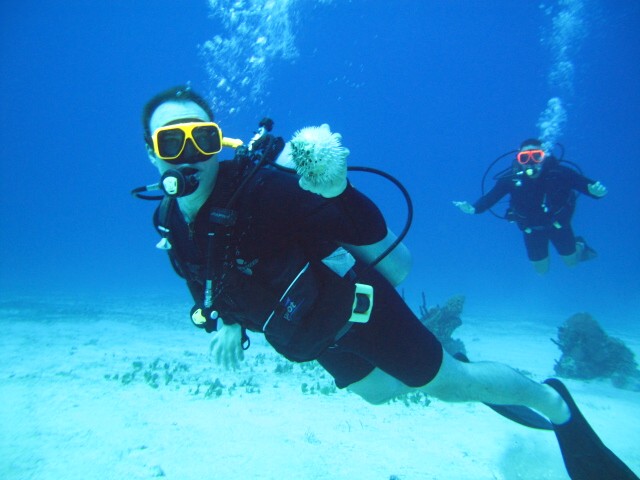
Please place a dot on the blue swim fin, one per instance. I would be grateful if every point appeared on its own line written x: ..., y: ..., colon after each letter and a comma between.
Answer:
x: 516, y: 413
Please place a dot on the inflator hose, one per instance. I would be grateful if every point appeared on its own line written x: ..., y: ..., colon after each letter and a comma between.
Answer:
x: 409, y: 220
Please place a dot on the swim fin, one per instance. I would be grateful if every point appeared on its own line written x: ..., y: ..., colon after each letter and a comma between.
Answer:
x: 587, y: 252
x: 584, y: 454
x: 516, y: 413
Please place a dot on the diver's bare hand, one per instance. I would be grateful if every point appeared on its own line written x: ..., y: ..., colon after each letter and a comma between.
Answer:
x: 466, y: 207
x: 226, y: 346
x: 597, y: 189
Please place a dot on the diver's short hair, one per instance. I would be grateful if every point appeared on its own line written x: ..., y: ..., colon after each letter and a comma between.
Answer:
x: 531, y: 141
x: 180, y: 93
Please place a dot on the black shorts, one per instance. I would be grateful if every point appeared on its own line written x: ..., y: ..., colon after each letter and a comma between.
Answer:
x: 393, y: 340
x: 537, y: 242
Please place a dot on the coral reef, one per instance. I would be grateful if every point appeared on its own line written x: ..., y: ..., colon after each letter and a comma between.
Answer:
x: 589, y: 353
x: 442, y: 321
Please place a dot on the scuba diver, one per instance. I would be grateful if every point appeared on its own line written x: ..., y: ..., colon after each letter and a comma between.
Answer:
x: 542, y: 201
x: 290, y: 255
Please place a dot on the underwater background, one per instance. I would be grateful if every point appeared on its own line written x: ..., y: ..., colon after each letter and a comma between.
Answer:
x: 429, y: 91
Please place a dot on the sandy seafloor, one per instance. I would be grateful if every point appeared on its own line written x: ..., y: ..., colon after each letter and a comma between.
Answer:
x: 127, y: 391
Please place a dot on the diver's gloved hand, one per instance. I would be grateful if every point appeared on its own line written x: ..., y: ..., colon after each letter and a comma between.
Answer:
x: 320, y: 160
x: 466, y: 207
x: 597, y: 189
x: 226, y: 346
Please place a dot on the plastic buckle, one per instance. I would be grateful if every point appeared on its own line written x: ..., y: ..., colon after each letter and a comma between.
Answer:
x: 362, y: 304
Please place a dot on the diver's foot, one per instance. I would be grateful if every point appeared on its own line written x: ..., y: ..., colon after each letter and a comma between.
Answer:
x: 585, y: 252
x: 584, y: 454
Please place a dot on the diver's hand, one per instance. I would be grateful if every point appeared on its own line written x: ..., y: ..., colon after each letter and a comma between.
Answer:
x: 320, y: 160
x: 326, y: 189
x: 597, y: 189
x: 466, y: 207
x: 226, y: 346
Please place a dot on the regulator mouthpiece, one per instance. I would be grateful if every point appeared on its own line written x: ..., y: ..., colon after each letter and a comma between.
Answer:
x: 179, y: 182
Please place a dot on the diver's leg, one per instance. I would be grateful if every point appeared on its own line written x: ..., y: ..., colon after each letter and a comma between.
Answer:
x: 463, y: 382
x: 536, y: 243
x: 584, y: 454
x: 567, y: 245
x: 399, y: 350
x: 571, y: 260
x: 494, y: 383
x: 378, y: 387
x: 541, y: 266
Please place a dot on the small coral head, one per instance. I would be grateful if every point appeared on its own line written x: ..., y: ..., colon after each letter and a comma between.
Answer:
x: 318, y: 154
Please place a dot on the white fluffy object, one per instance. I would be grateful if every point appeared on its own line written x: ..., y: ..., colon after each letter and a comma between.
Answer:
x: 320, y: 159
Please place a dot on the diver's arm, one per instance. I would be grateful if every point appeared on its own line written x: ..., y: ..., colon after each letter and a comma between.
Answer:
x: 585, y: 185
x: 394, y: 267
x: 351, y: 217
x: 499, y: 190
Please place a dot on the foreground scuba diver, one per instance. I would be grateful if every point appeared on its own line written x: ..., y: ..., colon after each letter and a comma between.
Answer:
x: 542, y: 202
x: 270, y: 251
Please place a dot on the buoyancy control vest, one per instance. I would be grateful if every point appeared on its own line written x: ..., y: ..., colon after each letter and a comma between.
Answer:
x: 292, y: 312
x: 547, y: 202
x: 297, y: 324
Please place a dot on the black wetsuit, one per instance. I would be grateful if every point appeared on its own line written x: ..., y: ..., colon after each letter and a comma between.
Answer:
x: 542, y: 207
x: 279, y: 228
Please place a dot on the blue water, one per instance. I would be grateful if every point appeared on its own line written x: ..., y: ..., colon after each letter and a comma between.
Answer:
x: 429, y: 91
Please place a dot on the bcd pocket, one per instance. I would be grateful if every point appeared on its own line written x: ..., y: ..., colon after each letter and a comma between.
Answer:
x: 311, y: 312
x: 294, y: 305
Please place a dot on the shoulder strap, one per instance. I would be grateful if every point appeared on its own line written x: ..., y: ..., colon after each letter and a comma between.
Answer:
x: 161, y: 222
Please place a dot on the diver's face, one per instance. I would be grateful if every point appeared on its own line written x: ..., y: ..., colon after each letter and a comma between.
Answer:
x: 532, y: 169
x: 173, y: 112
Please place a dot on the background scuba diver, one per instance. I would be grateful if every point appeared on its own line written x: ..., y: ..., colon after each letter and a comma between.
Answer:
x: 542, y: 202
x: 271, y: 276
